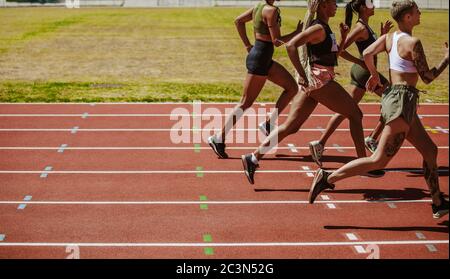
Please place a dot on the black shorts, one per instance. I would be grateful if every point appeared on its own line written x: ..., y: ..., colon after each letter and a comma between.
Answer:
x: 360, y: 76
x: 259, y: 60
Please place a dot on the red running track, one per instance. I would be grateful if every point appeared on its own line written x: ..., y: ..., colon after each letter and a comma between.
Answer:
x: 135, y: 194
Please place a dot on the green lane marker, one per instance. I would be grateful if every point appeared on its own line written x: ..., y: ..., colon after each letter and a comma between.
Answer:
x: 203, y: 206
x: 197, y: 148
x: 207, y: 238
x: 199, y: 171
x: 209, y: 251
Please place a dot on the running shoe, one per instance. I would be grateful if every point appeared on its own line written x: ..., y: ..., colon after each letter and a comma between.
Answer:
x: 316, y: 150
x: 375, y: 173
x: 265, y: 128
x: 319, y: 184
x: 249, y: 167
x: 371, y: 144
x: 441, y: 210
x: 218, y: 147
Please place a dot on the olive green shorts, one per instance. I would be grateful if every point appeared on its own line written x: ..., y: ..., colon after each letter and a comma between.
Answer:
x: 360, y: 76
x: 399, y: 101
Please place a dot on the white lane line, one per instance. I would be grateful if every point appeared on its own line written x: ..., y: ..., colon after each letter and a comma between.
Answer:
x: 181, y: 103
x: 176, y: 114
x: 168, y: 148
x: 142, y: 172
x: 162, y: 130
x: 442, y: 130
x: 224, y: 244
x: 179, y: 171
x: 194, y: 202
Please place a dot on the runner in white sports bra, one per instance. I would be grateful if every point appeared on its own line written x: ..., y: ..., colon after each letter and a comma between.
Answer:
x: 407, y: 63
x: 397, y: 63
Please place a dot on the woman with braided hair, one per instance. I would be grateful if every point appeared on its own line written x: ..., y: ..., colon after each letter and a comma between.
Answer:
x: 318, y: 86
x: 363, y: 36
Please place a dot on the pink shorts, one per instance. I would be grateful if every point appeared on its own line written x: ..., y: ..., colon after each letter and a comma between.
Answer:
x: 321, y: 76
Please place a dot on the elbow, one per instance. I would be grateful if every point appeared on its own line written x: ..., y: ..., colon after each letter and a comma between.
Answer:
x: 290, y: 47
x: 427, y: 80
x: 366, y: 54
x: 238, y: 22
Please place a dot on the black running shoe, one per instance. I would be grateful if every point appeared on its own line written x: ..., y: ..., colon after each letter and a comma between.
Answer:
x: 441, y: 210
x: 319, y: 184
x: 375, y: 173
x: 218, y: 147
x: 249, y: 167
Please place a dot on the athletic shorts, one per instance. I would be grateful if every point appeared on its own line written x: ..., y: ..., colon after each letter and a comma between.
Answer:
x: 321, y: 76
x: 360, y: 76
x: 399, y: 101
x: 259, y: 60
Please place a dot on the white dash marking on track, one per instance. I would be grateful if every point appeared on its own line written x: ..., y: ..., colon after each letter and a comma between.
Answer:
x: 338, y: 148
x: 44, y: 174
x: 431, y: 248
x: 85, y: 115
x: 74, y: 130
x: 420, y: 235
x: 62, y: 148
x: 325, y: 197
x: 360, y: 249
x: 351, y: 236
x: 331, y: 206
x: 292, y: 148
x: 308, y: 172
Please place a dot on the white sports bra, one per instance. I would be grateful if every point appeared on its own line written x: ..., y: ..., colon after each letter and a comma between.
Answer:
x: 397, y: 63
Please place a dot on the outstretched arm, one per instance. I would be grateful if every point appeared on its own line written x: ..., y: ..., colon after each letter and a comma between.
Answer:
x: 240, y: 26
x: 420, y: 61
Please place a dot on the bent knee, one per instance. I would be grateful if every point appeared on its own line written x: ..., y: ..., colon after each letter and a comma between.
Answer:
x: 379, y: 160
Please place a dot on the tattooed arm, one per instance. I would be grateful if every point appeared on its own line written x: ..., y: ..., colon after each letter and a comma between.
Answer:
x: 420, y: 61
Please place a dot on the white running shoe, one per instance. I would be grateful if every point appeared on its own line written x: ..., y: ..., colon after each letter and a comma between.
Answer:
x: 371, y: 144
x: 316, y: 150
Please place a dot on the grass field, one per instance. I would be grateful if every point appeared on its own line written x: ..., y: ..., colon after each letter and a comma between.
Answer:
x: 114, y: 54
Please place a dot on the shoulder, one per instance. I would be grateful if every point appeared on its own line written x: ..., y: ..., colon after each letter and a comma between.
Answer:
x: 413, y: 44
x: 360, y: 29
x: 270, y: 10
x: 315, y: 28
